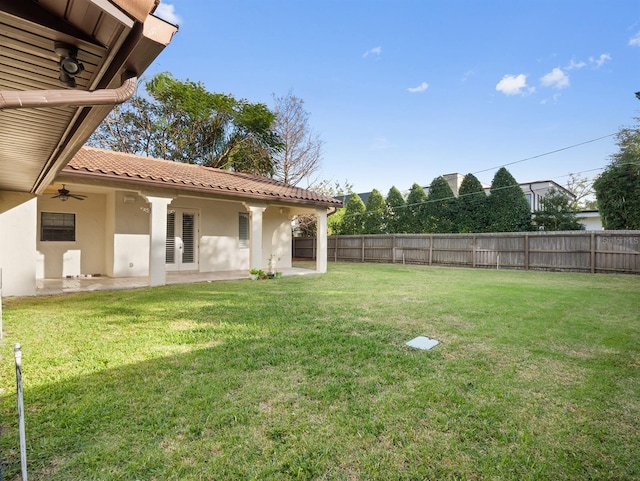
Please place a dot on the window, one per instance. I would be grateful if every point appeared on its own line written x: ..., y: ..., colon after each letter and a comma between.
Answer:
x: 530, y: 200
x: 243, y: 229
x: 57, y: 227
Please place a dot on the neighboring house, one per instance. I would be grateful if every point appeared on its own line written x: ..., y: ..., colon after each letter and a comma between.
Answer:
x: 590, y: 219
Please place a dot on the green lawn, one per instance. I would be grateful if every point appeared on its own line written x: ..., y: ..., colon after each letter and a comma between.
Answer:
x: 537, y: 377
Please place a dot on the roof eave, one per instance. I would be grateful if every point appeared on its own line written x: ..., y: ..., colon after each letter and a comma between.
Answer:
x: 140, y: 184
x: 144, y: 43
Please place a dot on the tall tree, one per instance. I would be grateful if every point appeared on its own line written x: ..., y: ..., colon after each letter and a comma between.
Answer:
x: 582, y: 188
x: 414, y: 217
x: 374, y: 213
x: 183, y: 122
x: 471, y: 212
x: 353, y: 220
x: 439, y: 209
x: 556, y: 213
x: 618, y: 187
x: 394, y: 211
x: 509, y: 209
x: 301, y: 154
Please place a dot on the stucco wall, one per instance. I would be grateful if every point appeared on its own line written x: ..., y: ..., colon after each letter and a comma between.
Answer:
x: 276, y: 237
x: 130, y: 235
x: 18, y: 243
x: 112, y: 236
x: 84, y: 256
x: 219, y: 242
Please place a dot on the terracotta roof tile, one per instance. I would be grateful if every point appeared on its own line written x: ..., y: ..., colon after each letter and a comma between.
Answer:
x: 95, y: 163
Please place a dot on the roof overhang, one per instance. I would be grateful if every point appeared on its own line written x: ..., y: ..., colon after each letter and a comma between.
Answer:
x: 113, y: 37
x: 117, y: 170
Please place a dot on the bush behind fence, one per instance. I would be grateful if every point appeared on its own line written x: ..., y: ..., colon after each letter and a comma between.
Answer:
x: 575, y: 251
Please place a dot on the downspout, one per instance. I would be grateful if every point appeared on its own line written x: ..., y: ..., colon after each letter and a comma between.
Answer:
x: 69, y: 98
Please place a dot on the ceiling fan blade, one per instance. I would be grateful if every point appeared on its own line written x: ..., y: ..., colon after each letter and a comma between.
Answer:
x: 77, y: 196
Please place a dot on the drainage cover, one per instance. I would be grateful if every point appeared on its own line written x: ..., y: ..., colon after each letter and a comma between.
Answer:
x: 422, y: 342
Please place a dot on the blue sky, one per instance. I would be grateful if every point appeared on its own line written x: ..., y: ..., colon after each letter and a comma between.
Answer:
x: 402, y: 91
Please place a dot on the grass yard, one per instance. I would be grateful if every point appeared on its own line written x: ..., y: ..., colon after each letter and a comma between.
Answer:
x: 537, y: 377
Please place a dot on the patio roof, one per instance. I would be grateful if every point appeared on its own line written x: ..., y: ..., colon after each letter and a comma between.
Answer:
x: 112, y: 37
x: 134, y: 171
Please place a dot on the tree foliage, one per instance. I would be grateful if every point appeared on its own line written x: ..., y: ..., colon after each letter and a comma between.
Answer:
x: 374, y: 214
x: 301, y: 153
x: 439, y: 210
x: 508, y: 208
x: 557, y: 213
x: 353, y: 220
x: 618, y: 187
x: 394, y: 211
x: 471, y: 212
x: 413, y: 218
x: 183, y: 122
x: 582, y: 188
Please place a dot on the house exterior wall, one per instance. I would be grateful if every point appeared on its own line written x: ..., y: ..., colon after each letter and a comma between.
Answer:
x: 590, y: 219
x: 130, y: 235
x: 218, y: 240
x: 85, y: 255
x: 112, y: 236
x: 18, y: 243
x: 276, y: 237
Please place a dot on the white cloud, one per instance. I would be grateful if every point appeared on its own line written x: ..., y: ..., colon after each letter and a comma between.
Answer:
x: 635, y: 40
x: 467, y: 75
x: 594, y: 62
x: 575, y: 65
x: 556, y: 79
x: 167, y: 12
x: 600, y: 61
x: 514, y: 85
x: 374, y: 51
x: 420, y: 88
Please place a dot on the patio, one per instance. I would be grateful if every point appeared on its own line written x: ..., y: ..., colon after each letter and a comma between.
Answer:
x: 46, y: 287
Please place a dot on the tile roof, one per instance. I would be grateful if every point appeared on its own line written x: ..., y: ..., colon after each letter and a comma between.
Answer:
x: 100, y: 164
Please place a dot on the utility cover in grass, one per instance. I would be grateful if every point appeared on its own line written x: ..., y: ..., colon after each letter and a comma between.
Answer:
x: 422, y: 342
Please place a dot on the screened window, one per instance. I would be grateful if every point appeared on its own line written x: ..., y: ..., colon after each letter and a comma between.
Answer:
x: 56, y: 226
x: 243, y: 231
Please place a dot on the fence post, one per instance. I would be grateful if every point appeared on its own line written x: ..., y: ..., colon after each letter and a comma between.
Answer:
x: 473, y: 251
x: 526, y: 252
x: 393, y: 249
x: 362, y: 253
x: 430, y: 248
x: 593, y: 252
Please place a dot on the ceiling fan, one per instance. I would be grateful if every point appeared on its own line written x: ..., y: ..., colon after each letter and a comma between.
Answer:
x: 64, y: 195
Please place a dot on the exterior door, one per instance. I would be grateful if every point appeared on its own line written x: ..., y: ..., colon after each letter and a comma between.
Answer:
x: 182, y: 235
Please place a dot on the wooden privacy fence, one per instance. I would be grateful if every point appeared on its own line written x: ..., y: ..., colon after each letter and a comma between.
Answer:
x: 577, y: 251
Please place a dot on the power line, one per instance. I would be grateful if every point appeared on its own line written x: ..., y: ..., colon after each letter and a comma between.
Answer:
x: 546, y: 153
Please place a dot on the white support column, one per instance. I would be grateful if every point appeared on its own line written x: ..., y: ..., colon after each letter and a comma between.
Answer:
x: 158, y: 239
x: 256, y: 235
x: 321, y: 240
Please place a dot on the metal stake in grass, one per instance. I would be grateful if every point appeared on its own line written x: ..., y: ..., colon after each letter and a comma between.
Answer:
x: 23, y: 439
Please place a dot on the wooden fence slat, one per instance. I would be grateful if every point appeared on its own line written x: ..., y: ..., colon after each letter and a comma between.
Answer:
x: 579, y: 251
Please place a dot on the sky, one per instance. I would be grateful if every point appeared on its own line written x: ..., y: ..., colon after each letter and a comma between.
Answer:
x: 403, y: 91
